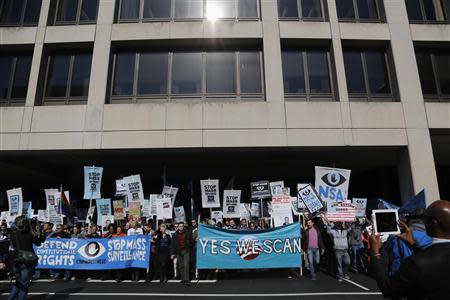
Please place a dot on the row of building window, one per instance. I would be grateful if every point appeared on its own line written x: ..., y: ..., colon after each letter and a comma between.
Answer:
x: 26, y: 12
x: 144, y: 75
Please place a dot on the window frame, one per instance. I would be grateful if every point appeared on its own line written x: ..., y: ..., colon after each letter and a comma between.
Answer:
x: 78, y: 20
x: 172, y: 17
x: 380, y: 12
x: 307, y: 95
x: 67, y: 99
x: 9, y: 101
x: 439, y: 97
x: 22, y: 17
x: 300, y: 13
x: 369, y: 96
x: 169, y: 96
x: 424, y: 20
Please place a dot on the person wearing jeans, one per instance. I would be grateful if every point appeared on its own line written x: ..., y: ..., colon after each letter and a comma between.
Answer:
x: 356, y: 244
x: 313, y: 245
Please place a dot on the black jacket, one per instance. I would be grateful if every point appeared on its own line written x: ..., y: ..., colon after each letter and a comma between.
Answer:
x: 175, y: 244
x: 24, y: 241
x: 424, y: 275
x: 305, y: 241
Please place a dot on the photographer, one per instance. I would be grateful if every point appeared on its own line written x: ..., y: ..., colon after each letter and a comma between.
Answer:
x: 26, y: 234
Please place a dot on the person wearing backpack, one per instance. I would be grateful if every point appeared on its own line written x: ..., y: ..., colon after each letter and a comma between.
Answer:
x: 24, y: 260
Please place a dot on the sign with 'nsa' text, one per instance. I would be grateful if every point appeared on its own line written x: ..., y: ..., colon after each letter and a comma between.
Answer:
x: 233, y: 249
x: 332, y: 184
x: 94, y: 254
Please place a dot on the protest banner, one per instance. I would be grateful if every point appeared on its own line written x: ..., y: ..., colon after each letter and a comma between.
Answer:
x: 170, y: 192
x: 121, y: 187
x: 135, y: 191
x: 387, y: 205
x: 92, y: 182
x: 119, y: 213
x: 360, y: 206
x: 310, y: 198
x: 231, y: 201
x: 27, y: 210
x: 340, y: 212
x: 103, y: 209
x: 179, y: 213
x: 210, y: 193
x: 255, y: 210
x: 332, y: 184
x: 164, y: 209
x: 260, y: 249
x: 260, y: 189
x: 15, y: 201
x: 417, y: 202
x: 94, y: 254
x: 281, y: 210
x: 244, y: 211
x: 90, y: 215
x: 106, y: 221
x: 217, y: 215
x: 276, y: 187
x: 134, y: 210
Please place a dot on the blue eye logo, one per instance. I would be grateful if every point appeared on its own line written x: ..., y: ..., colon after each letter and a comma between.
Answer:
x: 333, y: 179
x: 92, y: 250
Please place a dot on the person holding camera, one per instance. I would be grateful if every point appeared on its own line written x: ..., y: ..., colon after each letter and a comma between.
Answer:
x: 26, y: 234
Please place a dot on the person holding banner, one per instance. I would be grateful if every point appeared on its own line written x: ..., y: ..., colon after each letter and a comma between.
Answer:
x: 180, y: 248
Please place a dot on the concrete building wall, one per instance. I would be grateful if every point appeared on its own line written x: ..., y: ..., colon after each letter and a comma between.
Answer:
x: 273, y: 122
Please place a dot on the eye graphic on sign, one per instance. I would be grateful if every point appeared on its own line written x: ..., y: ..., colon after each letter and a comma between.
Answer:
x: 333, y: 179
x: 306, y: 193
x: 260, y: 188
x: 248, y: 247
x: 91, y: 250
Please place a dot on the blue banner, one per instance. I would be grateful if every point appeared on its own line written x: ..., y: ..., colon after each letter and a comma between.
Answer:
x: 417, y: 202
x: 259, y: 249
x: 92, y: 182
x: 94, y: 254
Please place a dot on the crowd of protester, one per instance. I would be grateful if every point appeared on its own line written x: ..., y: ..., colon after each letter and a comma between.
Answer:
x: 335, y: 248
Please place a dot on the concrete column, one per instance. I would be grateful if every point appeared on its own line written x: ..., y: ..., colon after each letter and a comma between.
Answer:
x: 99, y: 70
x: 420, y: 152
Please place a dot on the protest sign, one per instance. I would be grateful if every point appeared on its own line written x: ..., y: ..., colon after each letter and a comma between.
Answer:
x: 146, y: 208
x: 90, y: 215
x: 260, y: 189
x: 153, y: 199
x: 164, y: 208
x: 92, y: 182
x: 387, y: 205
x: 217, y: 215
x: 255, y: 210
x: 134, y: 210
x: 106, y: 221
x: 276, y: 187
x: 301, y: 205
x: 121, y: 187
x: 119, y: 213
x: 42, y: 215
x: 340, y: 212
x: 310, y: 198
x: 231, y: 249
x: 27, y: 210
x: 231, y: 201
x: 210, y: 193
x: 360, y: 206
x: 103, y: 209
x: 94, y: 254
x: 332, y: 184
x: 281, y: 210
x: 4, y: 215
x: 134, y: 188
x: 417, y: 202
x: 15, y: 201
x: 244, y: 211
x: 180, y: 216
x: 294, y: 205
x: 170, y: 192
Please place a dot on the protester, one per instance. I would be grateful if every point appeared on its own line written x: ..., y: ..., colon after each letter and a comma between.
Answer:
x: 110, y: 231
x: 423, y: 275
x: 313, y: 245
x: 162, y: 249
x: 4, y: 250
x: 180, y: 248
x: 94, y: 233
x: 356, y: 244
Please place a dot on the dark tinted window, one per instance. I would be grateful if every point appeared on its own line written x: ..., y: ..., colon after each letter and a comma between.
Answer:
x: 250, y: 71
x: 89, y: 10
x: 247, y: 8
x: 80, y: 75
x: 414, y: 10
x: 319, y: 79
x: 428, y: 10
x: 426, y: 73
x: 67, y: 10
x: 129, y: 9
x: 57, y: 76
x: 345, y: 9
x: 221, y: 72
x: 187, y: 73
x: 124, y: 74
x: 354, y: 72
x: 287, y: 9
x: 32, y: 11
x: 377, y: 72
x: 157, y: 9
x: 367, y: 9
x: 443, y: 69
x: 293, y: 72
x: 311, y: 9
x: 12, y: 11
x: 187, y: 9
x: 21, y: 77
x: 5, y: 75
x: 152, y: 78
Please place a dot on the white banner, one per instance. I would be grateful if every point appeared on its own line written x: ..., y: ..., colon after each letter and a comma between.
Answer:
x: 255, y: 210
x: 231, y: 201
x: 179, y: 213
x: 210, y: 193
x: 276, y: 187
x: 121, y: 187
x: 15, y: 201
x: 153, y: 199
x: 332, y: 184
x: 217, y: 215
x: 92, y: 182
x: 244, y: 211
x: 340, y: 212
x: 135, y: 191
x: 170, y: 192
x: 164, y: 209
x: 310, y: 198
x: 281, y: 210
x: 360, y: 206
